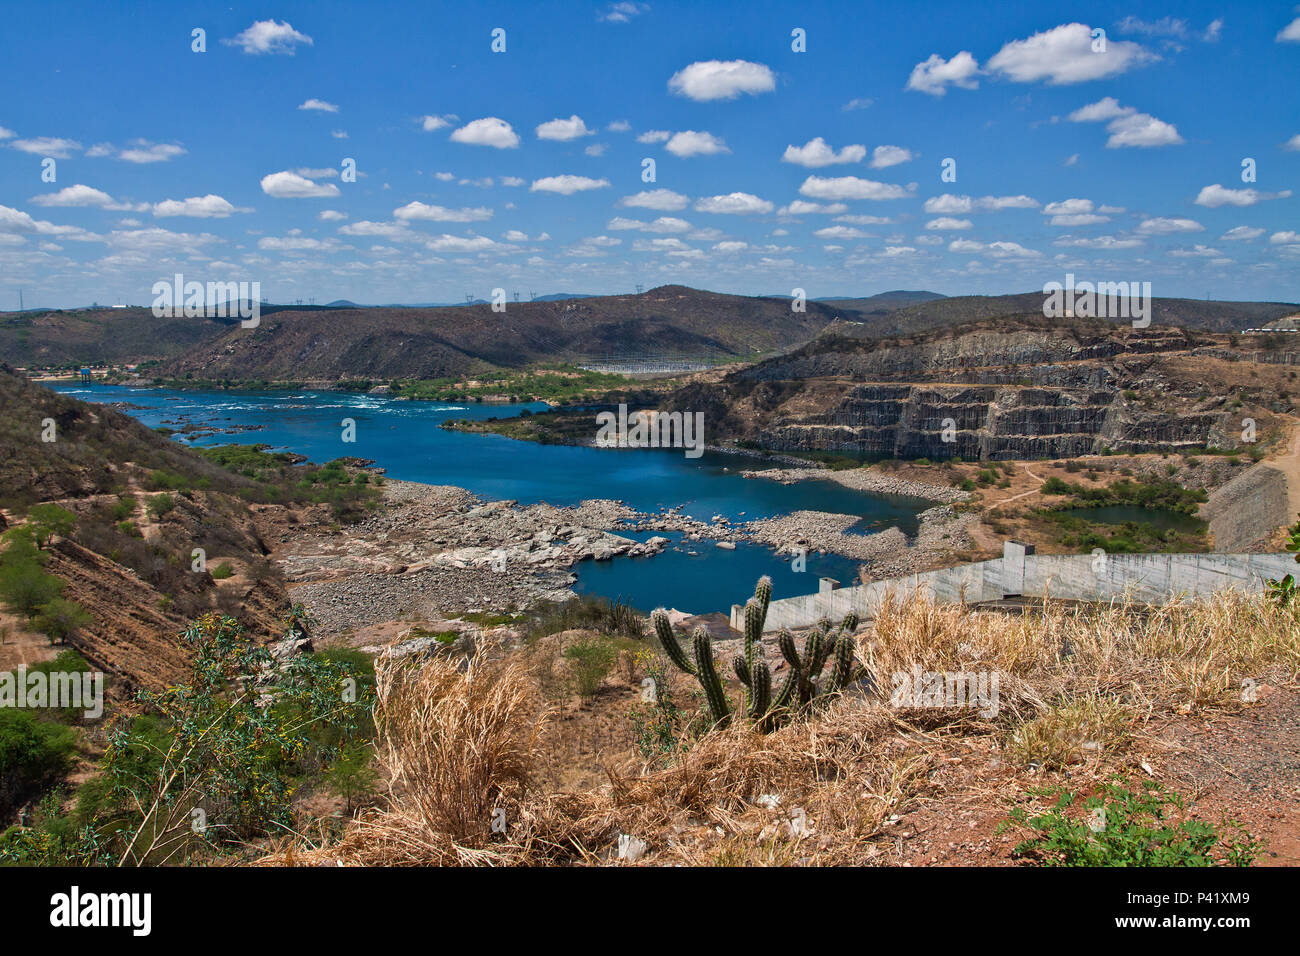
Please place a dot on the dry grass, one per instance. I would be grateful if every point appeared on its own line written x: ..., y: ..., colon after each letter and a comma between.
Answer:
x: 1076, y: 685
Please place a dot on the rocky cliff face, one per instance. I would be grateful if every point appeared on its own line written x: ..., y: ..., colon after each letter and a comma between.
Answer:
x: 1026, y: 389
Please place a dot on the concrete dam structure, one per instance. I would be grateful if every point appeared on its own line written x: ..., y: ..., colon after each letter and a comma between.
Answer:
x: 1147, y: 578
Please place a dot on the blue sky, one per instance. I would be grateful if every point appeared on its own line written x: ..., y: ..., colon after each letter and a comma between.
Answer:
x: 774, y: 169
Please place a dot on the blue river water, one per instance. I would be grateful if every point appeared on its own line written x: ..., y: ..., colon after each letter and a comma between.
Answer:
x: 404, y: 438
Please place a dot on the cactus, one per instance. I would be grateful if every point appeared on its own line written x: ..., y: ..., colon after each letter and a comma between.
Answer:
x: 803, y: 685
x: 708, y: 675
x: 664, y: 631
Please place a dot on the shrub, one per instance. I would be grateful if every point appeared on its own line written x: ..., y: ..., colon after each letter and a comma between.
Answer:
x: 25, y: 587
x: 47, y: 520
x: 59, y: 619
x: 1129, y: 828
x: 590, y: 661
x: 33, y: 754
x: 222, y: 571
x: 160, y: 505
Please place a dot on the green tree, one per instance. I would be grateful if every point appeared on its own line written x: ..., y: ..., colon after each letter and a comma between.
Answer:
x: 47, y: 520
x: 351, y: 775
x: 25, y: 586
x: 59, y: 619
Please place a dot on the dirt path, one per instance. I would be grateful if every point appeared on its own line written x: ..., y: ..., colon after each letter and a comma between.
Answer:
x: 1024, y: 494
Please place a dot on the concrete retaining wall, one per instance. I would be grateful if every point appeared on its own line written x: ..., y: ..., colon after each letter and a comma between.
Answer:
x: 1082, y: 577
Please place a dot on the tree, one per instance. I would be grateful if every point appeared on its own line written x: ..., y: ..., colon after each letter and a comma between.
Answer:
x: 47, y: 520
x: 59, y: 619
x: 25, y: 586
x: 351, y: 775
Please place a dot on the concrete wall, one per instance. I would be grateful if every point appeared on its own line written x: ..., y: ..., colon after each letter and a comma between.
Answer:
x: 1083, y: 577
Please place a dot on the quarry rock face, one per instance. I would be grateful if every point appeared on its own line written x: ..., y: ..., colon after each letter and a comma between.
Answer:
x: 1018, y: 393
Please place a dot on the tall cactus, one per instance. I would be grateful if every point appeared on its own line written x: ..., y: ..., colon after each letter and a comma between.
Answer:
x: 803, y: 684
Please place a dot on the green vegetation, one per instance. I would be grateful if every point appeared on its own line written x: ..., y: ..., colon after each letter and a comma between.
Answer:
x: 27, y: 588
x: 1130, y: 537
x: 1128, y: 827
x: 590, y: 660
x: 616, y: 618
x: 48, y: 520
x: 282, y: 478
x: 34, y: 753
x: 560, y: 385
x: 211, y: 763
x: 1167, y: 495
x: 221, y: 571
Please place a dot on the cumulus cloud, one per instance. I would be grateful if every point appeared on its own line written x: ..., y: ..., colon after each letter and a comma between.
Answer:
x: 53, y: 146
x: 431, y: 122
x: 801, y: 207
x: 564, y: 129
x: 210, y: 206
x: 1161, y: 226
x: 319, y: 105
x: 1289, y: 33
x: 935, y: 75
x: 722, y: 80
x: 839, y: 232
x: 331, y: 215
x: 268, y: 36
x: 664, y: 224
x: 692, y: 143
x: 1242, y: 234
x: 143, y: 151
x: 850, y: 187
x: 449, y: 243
x: 1216, y: 195
x: 488, y: 131
x: 664, y: 200
x: 948, y: 204
x: 885, y: 156
x: 737, y: 203
x: 947, y: 224
x: 816, y: 153
x: 419, y: 210
x: 288, y: 185
x: 1100, y: 243
x: 567, y: 184
x: 623, y: 11
x: 1064, y: 55
x: 78, y: 195
x: 1127, y: 127
x: 654, y: 136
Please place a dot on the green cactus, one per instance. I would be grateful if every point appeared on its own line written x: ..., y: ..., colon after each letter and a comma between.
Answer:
x: 803, y: 685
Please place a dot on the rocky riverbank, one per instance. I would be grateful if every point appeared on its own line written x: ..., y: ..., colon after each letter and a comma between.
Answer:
x: 865, y: 479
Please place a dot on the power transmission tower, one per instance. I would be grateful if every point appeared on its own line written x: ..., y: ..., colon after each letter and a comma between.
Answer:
x: 639, y: 287
x: 469, y: 298
x: 516, y: 296
x: 532, y: 296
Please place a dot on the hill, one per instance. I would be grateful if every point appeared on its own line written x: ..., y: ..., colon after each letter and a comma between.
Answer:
x: 141, y: 503
x: 666, y: 323
x: 100, y: 336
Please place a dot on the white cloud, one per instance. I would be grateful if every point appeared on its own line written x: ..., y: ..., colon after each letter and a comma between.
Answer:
x: 1289, y: 33
x: 567, y: 184
x: 1196, y: 252
x: 664, y: 200
x: 948, y: 204
x: 596, y: 149
x: 53, y: 146
x: 267, y: 36
x: 1292, y: 145
x: 1284, y: 237
x: 850, y: 187
x: 839, y: 232
x: 78, y: 195
x: 287, y: 185
x: 431, y: 122
x: 1217, y: 195
x: 654, y: 136
x: 419, y: 210
x: 885, y: 156
x: 1242, y: 233
x: 801, y: 207
x: 664, y: 224
x: 331, y: 215
x: 1127, y: 127
x: 623, y: 11
x: 7, y: 133
x: 449, y: 243
x: 738, y: 203
x: 319, y: 105
x: 619, y: 126
x: 1163, y: 227
x: 935, y: 74
x: 1064, y: 55
x: 1073, y: 212
x: 143, y: 151
x: 386, y: 230
x: 947, y: 223
x: 488, y: 131
x: 866, y: 220
x: 722, y: 80
x: 692, y: 143
x: 815, y: 153
x: 298, y: 244
x: 564, y: 129
x: 1164, y: 27
x: 210, y: 206
x: 1213, y: 31
x: 339, y: 133
x: 1102, y: 243
x: 858, y: 103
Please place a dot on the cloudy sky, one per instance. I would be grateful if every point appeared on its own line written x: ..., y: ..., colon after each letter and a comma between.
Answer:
x: 841, y: 148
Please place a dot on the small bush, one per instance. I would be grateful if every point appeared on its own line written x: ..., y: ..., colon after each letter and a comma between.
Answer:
x: 590, y: 661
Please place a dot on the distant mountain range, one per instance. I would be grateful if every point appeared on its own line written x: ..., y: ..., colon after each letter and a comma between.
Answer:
x: 342, y: 340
